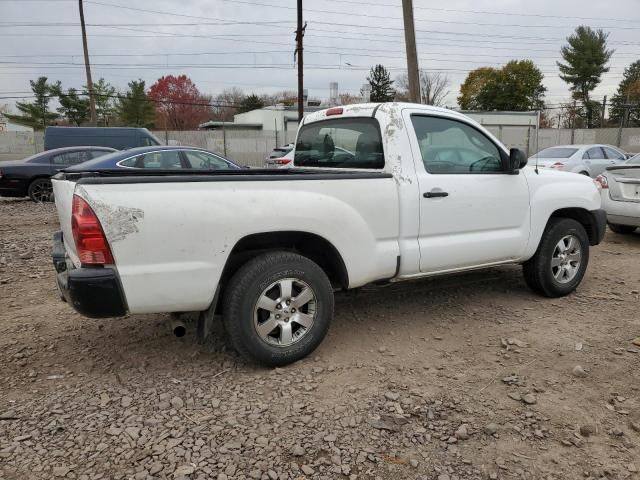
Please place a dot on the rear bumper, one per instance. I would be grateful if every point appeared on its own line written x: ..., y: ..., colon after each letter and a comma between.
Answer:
x: 599, y: 225
x: 93, y: 292
x: 620, y: 212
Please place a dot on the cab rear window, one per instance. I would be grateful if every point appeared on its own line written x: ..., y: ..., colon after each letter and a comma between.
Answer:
x: 340, y: 143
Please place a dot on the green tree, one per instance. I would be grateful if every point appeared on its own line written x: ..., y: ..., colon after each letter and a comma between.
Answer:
x: 252, y: 102
x: 515, y: 87
x: 105, y: 95
x: 36, y: 114
x: 73, y: 107
x: 381, y: 84
x: 472, y: 85
x: 628, y: 92
x: 585, y: 57
x: 134, y: 108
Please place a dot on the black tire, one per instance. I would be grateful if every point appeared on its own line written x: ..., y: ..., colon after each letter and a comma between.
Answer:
x: 40, y: 190
x: 248, y: 285
x: 538, y: 271
x: 585, y: 173
x: 622, y: 229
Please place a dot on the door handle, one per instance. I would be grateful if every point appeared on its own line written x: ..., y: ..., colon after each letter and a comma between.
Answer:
x: 435, y: 194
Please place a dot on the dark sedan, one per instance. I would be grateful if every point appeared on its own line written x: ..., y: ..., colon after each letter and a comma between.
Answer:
x: 158, y: 158
x: 30, y: 177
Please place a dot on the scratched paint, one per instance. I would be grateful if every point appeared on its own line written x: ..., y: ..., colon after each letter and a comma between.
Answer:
x: 117, y: 221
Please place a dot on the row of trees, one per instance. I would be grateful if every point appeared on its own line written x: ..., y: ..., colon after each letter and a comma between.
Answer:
x: 172, y: 102
x: 175, y: 102
x: 517, y: 86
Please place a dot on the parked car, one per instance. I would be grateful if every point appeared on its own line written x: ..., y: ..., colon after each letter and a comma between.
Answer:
x: 277, y: 154
x: 620, y: 191
x: 427, y: 191
x: 119, y: 138
x: 30, y: 177
x: 281, y: 162
x: 339, y: 153
x: 159, y: 158
x: 588, y: 160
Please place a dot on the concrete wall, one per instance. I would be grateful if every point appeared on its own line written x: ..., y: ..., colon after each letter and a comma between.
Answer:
x: 17, y: 145
x: 250, y: 147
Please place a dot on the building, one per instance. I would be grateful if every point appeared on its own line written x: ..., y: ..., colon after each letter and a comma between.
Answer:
x: 7, y: 125
x: 280, y: 118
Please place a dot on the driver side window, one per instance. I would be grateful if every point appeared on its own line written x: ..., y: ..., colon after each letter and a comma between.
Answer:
x: 452, y: 147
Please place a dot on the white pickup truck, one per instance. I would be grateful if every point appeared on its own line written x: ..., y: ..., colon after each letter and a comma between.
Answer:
x: 378, y: 192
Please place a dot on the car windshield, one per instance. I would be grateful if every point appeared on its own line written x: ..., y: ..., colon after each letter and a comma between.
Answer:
x: 556, y: 152
x: 635, y: 160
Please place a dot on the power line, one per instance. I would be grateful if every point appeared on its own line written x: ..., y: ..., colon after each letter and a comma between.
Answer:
x: 370, y: 4
x: 387, y: 17
x: 269, y: 24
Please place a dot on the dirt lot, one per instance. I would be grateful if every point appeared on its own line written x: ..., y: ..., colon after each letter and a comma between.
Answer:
x: 466, y: 377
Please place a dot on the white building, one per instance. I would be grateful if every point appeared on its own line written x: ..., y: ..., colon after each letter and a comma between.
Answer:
x: 281, y: 118
x: 7, y: 125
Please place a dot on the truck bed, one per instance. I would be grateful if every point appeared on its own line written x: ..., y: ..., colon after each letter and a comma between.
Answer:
x: 169, y: 228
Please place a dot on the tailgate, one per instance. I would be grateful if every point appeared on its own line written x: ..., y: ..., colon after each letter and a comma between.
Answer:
x: 63, y: 193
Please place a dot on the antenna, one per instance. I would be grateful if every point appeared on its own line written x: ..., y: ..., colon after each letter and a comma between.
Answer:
x: 537, y: 139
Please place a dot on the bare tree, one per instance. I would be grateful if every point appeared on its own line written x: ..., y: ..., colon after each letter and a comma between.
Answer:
x: 434, y: 87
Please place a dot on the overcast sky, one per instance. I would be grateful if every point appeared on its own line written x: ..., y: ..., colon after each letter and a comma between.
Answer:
x: 250, y: 43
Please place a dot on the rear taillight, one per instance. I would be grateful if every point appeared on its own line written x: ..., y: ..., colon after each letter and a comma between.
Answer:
x: 91, y: 242
x: 282, y: 161
x: 601, y: 182
x: 335, y: 111
x: 557, y: 165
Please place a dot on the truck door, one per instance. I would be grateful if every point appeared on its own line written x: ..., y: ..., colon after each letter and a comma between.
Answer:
x: 472, y: 212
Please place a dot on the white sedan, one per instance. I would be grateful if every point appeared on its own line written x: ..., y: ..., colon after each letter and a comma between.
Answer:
x: 590, y: 160
x: 620, y: 192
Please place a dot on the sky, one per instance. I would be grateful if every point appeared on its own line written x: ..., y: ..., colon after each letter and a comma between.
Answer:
x: 250, y: 44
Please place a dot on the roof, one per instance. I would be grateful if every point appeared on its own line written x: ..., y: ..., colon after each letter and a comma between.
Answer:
x: 367, y: 110
x: 109, y: 160
x: 78, y: 147
x: 212, y: 124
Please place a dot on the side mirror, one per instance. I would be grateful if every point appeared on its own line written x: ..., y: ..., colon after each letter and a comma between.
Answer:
x: 517, y: 159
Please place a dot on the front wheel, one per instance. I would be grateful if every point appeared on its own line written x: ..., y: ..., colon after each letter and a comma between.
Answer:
x: 622, y: 229
x: 561, y: 260
x: 277, y: 308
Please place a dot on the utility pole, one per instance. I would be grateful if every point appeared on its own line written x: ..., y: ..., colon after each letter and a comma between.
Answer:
x: 412, y: 53
x: 604, y: 108
x: 299, y: 35
x: 92, y: 100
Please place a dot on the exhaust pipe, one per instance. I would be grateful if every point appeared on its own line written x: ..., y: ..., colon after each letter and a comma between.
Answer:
x: 178, y: 327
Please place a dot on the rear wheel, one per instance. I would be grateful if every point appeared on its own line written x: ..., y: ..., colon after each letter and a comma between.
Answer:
x: 277, y: 308
x: 559, y: 265
x: 584, y: 173
x: 622, y: 229
x: 40, y: 190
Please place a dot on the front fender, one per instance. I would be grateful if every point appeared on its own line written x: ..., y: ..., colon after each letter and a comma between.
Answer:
x: 552, y: 191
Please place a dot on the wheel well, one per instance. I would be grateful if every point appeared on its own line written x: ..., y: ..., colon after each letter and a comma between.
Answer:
x: 581, y: 216
x: 309, y: 245
x: 38, y: 177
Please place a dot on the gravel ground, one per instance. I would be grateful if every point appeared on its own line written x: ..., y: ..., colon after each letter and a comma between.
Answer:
x: 465, y: 377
